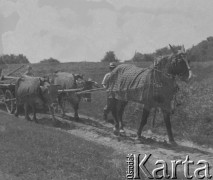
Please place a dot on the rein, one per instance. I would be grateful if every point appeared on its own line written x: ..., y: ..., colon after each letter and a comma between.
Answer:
x: 170, y: 76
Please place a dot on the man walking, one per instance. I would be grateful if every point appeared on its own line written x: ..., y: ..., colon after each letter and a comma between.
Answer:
x: 29, y: 71
x: 104, y: 83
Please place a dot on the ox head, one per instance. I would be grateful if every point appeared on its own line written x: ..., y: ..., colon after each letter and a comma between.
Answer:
x: 180, y: 65
x: 49, y: 91
x: 78, y: 78
x: 87, y: 85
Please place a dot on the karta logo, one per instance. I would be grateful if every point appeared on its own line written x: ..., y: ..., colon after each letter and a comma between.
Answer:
x: 135, y: 166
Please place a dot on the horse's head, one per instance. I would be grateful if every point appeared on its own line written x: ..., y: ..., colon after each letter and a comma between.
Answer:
x: 180, y: 65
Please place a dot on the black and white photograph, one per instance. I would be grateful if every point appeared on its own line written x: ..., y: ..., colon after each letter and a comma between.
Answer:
x: 106, y: 89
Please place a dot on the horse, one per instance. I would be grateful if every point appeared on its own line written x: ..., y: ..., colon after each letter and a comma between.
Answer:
x: 154, y: 87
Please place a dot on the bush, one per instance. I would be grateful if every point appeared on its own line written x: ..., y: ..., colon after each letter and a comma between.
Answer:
x: 50, y: 61
x: 110, y: 57
x: 13, y: 59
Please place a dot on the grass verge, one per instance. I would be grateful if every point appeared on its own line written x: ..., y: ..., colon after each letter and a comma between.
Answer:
x: 31, y: 151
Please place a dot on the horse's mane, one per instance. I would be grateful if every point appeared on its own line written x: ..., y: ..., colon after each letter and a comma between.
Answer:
x: 162, y: 61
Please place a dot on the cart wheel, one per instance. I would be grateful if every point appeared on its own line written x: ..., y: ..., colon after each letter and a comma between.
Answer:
x: 10, y: 105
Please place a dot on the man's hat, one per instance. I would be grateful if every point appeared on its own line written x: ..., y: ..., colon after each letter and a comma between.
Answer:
x: 112, y: 65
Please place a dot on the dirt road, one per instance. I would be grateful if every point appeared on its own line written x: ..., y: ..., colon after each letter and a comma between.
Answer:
x: 100, y: 133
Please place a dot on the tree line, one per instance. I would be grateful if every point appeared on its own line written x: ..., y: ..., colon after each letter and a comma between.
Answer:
x: 50, y: 61
x: 22, y: 59
x: 201, y: 52
x: 13, y: 59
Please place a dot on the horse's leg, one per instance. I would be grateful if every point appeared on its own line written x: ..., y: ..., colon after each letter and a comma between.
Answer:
x: 120, y: 110
x: 173, y: 102
x: 166, y: 115
x: 143, y: 121
x: 113, y: 106
x: 154, y: 117
x: 26, y: 112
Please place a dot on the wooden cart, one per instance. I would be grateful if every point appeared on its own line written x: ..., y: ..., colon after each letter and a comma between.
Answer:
x: 7, y: 96
x: 7, y: 91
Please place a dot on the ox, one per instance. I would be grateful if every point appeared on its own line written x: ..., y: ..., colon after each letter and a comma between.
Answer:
x: 35, y: 92
x: 67, y: 80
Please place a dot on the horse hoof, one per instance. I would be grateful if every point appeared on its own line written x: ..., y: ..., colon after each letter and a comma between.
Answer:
x: 121, y: 131
x: 77, y: 118
x: 138, y: 138
x: 173, y: 143
x: 35, y: 120
x: 28, y: 119
x: 115, y: 131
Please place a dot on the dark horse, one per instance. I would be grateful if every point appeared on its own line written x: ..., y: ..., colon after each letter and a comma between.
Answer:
x: 154, y: 87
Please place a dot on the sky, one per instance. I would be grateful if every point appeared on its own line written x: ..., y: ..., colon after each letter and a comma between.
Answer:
x: 84, y: 30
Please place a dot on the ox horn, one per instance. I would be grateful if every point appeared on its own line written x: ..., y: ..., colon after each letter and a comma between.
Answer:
x: 172, y: 48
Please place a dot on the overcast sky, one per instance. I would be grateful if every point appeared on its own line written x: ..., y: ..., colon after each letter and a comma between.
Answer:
x: 83, y: 30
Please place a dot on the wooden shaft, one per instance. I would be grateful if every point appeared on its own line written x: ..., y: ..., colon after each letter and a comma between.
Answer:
x: 80, y: 90
x: 70, y: 90
x: 9, y: 77
x: 15, y: 70
x: 90, y: 90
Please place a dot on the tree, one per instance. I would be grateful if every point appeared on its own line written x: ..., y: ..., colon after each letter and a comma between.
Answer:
x: 148, y: 57
x: 110, y: 57
x: 50, y: 61
x: 138, y: 57
x: 13, y: 59
x: 166, y: 51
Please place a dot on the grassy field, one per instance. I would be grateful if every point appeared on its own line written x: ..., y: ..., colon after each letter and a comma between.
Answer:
x: 30, y: 151
x: 193, y: 120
